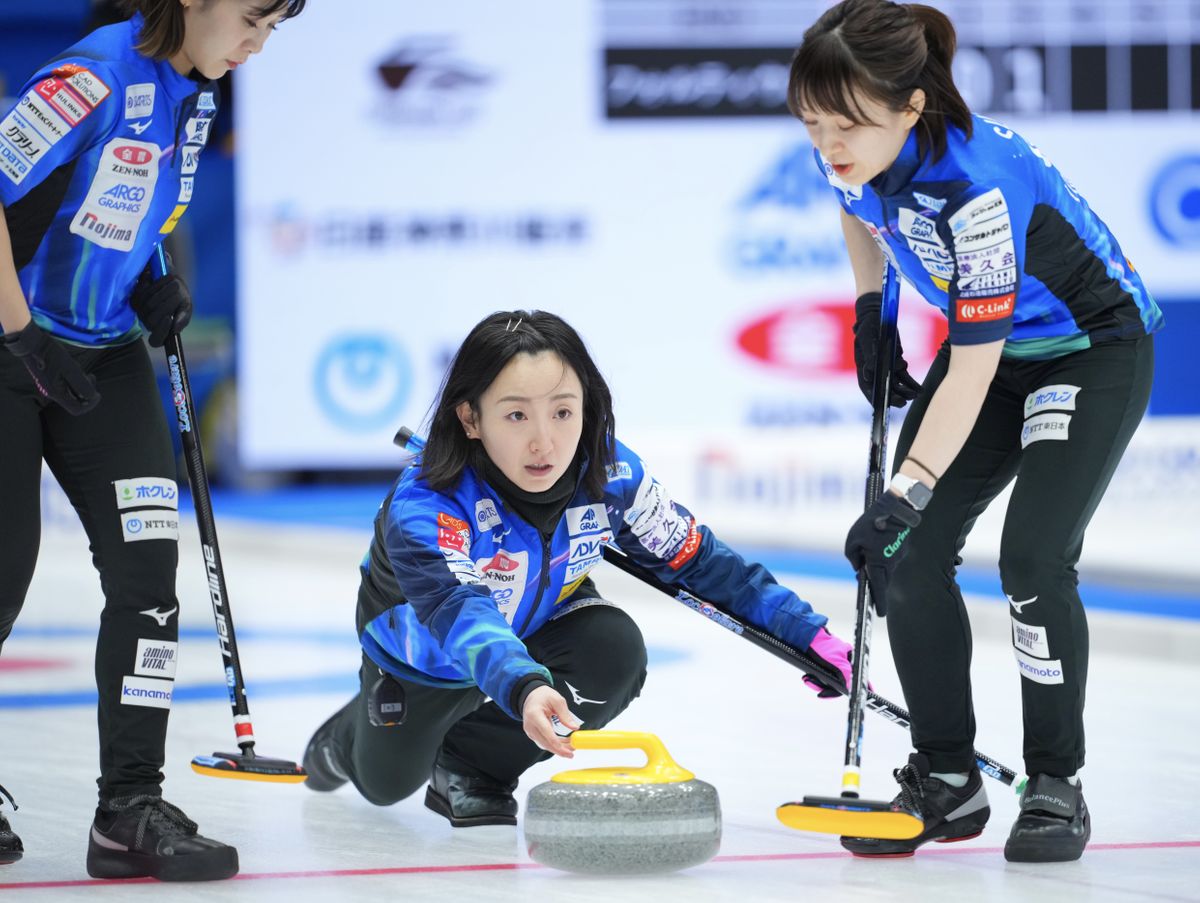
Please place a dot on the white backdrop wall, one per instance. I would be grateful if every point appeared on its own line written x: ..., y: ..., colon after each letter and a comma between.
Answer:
x: 404, y: 169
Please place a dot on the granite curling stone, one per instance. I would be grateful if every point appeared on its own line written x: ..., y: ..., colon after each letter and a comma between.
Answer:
x: 623, y: 821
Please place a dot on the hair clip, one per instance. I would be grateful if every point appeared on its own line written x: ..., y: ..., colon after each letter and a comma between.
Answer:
x: 512, y: 327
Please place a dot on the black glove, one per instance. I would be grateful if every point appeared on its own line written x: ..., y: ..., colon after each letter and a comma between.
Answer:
x: 877, y: 542
x: 164, y: 305
x: 56, y: 374
x: 866, y: 349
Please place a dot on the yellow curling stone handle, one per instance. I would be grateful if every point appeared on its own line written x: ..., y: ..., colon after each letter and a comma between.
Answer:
x: 660, y: 768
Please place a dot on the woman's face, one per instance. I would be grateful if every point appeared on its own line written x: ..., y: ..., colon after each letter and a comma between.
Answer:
x: 858, y: 153
x: 220, y: 35
x: 529, y: 420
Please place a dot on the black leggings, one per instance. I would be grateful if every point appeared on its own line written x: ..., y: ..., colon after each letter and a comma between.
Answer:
x: 1073, y: 441
x: 597, y: 658
x: 124, y: 438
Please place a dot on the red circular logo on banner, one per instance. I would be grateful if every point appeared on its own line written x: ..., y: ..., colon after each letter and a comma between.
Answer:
x: 815, y: 340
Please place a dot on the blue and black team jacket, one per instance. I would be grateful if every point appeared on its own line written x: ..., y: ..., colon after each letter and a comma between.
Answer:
x: 97, y: 163
x: 453, y: 581
x: 995, y: 237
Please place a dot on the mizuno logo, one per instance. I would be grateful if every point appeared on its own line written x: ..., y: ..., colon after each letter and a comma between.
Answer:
x: 139, y: 127
x: 579, y: 700
x: 160, y: 616
x: 1017, y: 606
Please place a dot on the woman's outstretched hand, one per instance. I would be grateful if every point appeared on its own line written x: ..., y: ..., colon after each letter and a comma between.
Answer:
x: 541, y: 706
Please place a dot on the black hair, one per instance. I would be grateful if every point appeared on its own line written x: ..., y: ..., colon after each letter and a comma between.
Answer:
x: 886, y: 50
x: 487, y: 349
x: 162, y: 33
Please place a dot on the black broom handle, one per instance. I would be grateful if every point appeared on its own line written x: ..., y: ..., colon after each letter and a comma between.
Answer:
x: 876, y: 463
x: 185, y: 412
x: 781, y: 650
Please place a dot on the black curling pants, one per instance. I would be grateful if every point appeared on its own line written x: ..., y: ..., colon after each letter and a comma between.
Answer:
x: 117, y: 467
x: 597, y: 658
x: 1059, y: 427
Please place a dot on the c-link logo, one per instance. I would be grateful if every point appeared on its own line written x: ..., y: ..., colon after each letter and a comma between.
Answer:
x: 893, y: 547
x: 178, y: 396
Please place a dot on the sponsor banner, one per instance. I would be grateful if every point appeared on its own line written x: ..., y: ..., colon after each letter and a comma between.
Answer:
x: 35, y: 109
x: 146, y: 691
x: 1030, y: 639
x: 486, y: 515
x: 139, y: 100
x: 1059, y: 397
x: 695, y: 82
x: 87, y: 85
x: 146, y: 492
x: 196, y: 130
x: 622, y: 470
x: 120, y: 194
x: 586, y: 519
x: 156, y: 658
x: 1045, y: 426
x: 137, y: 526
x: 702, y: 260
x: 1042, y: 671
x: 65, y: 102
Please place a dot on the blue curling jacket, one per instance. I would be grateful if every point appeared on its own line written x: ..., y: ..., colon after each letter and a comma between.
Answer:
x: 994, y: 236
x: 97, y: 163
x: 453, y: 582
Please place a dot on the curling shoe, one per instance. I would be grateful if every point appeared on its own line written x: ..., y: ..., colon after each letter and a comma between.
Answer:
x: 144, y: 836
x: 468, y: 801
x: 11, y: 848
x: 950, y: 813
x: 1054, y: 825
x: 323, y: 756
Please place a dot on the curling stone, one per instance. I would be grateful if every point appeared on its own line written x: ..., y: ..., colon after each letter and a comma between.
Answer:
x: 623, y: 821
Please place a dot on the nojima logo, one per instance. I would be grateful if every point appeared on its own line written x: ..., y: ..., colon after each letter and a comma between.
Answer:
x: 815, y: 340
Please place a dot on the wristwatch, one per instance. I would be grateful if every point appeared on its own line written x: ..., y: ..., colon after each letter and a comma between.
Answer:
x: 912, y: 491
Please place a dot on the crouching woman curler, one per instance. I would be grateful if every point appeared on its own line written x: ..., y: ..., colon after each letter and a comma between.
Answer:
x: 479, y: 623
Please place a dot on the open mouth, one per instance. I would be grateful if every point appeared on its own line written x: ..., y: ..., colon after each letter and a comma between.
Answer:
x: 538, y: 470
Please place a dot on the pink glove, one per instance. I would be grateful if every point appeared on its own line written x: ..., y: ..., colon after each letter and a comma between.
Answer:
x: 834, y: 653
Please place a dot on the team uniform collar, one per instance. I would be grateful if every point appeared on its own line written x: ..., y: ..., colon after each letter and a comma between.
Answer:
x: 894, y: 179
x: 178, y: 88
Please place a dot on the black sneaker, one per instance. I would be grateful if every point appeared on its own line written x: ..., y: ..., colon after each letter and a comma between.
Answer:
x: 144, y: 836
x: 1054, y: 825
x: 468, y: 801
x: 11, y: 848
x: 322, y: 756
x: 950, y: 813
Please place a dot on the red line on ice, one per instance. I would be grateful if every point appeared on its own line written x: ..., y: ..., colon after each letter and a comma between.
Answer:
x: 515, y: 866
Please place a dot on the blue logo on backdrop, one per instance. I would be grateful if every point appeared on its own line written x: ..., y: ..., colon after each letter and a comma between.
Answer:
x: 788, y: 220
x: 362, y: 381
x: 1175, y: 201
